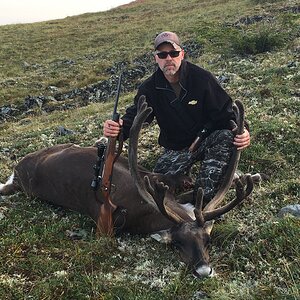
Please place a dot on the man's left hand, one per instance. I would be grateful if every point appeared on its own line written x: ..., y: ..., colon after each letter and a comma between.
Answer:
x: 242, y: 141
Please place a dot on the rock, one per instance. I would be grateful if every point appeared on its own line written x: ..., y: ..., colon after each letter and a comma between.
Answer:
x: 249, y: 20
x: 200, y: 295
x: 25, y: 121
x: 291, y: 9
x: 76, y: 234
x: 223, y: 78
x: 193, y: 49
x: 146, y: 61
x: 7, y: 111
x: 117, y: 67
x: 53, y: 89
x: 292, y: 64
x: 2, y: 211
x: 293, y: 209
x: 64, y: 131
x: 32, y: 101
x: 1, y: 214
x: 26, y: 65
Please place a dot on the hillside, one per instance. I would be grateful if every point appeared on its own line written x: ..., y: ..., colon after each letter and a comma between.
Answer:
x: 63, y: 74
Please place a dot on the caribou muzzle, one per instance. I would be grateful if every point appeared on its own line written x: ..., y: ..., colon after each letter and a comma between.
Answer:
x: 204, y: 271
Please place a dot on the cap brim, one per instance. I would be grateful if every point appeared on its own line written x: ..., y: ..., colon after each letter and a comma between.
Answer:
x: 170, y: 42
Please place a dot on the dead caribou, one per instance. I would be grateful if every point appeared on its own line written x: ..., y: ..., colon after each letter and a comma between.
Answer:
x: 146, y: 202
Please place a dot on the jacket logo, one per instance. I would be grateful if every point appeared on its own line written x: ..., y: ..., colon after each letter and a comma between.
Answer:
x: 193, y: 102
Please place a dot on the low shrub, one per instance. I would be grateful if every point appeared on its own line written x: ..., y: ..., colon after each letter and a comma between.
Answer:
x: 265, y: 40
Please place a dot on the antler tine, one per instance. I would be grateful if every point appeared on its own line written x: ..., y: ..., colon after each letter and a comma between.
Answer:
x: 226, y: 184
x: 157, y: 191
x: 198, y: 208
x: 250, y: 185
x: 143, y: 111
x: 239, y: 112
x: 241, y: 194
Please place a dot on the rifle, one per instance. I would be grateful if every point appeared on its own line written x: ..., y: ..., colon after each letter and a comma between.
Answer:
x: 112, y: 152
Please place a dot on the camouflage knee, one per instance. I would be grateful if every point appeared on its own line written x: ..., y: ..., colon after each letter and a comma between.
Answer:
x: 217, y: 155
x: 173, y: 162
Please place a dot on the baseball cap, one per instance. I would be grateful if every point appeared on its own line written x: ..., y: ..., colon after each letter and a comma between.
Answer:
x: 167, y: 37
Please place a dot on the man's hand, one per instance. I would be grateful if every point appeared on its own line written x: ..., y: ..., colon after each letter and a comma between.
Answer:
x: 242, y: 141
x: 112, y: 128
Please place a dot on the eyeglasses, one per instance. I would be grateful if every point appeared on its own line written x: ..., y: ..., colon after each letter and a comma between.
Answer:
x: 164, y: 54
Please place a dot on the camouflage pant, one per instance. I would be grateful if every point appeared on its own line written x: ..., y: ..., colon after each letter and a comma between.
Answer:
x: 214, y: 153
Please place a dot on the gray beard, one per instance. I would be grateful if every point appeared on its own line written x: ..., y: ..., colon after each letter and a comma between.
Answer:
x: 169, y: 72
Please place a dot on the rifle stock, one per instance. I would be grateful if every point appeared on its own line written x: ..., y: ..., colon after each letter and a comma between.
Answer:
x: 105, y: 221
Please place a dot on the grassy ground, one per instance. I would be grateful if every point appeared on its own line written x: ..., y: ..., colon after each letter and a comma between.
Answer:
x: 254, y: 46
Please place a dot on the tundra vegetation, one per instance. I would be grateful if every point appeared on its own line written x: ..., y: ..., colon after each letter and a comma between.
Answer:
x: 62, y: 73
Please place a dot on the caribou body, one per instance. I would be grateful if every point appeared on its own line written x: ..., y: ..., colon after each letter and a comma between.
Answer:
x: 146, y: 202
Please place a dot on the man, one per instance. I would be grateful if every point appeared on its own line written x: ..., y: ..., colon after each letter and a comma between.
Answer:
x: 189, y: 105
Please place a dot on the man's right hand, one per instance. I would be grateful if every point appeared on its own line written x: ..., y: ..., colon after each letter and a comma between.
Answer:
x: 112, y: 128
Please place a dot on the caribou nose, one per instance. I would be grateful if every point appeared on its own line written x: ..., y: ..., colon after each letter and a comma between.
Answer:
x: 204, y: 271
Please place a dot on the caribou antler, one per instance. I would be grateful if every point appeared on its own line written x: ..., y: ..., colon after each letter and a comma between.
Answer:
x: 234, y: 160
x: 203, y: 218
x: 241, y: 194
x: 211, y: 212
x: 198, y: 208
x: 143, y: 111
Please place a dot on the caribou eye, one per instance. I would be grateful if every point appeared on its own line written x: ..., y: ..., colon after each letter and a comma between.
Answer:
x: 177, y: 243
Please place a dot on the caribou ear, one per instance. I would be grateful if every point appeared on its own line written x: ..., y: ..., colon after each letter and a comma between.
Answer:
x: 163, y: 236
x: 208, y: 226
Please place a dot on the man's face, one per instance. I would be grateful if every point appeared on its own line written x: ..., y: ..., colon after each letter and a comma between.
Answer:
x: 169, y: 65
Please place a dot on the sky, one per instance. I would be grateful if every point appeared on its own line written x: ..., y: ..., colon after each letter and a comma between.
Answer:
x: 28, y: 11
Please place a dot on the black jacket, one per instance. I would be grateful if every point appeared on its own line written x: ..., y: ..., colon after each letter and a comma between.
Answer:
x: 202, y: 104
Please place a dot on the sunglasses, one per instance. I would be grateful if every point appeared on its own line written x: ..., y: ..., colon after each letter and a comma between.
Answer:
x: 164, y: 54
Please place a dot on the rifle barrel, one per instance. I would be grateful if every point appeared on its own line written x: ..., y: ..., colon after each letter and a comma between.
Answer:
x: 117, y: 99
